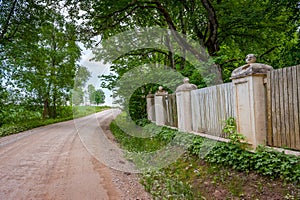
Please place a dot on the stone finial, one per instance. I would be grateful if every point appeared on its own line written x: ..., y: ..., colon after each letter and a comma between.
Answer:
x: 186, y: 86
x: 250, y: 58
x: 161, y: 91
x: 251, y: 68
x: 150, y: 95
x: 186, y: 80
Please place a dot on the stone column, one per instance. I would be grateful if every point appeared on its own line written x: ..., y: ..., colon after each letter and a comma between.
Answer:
x: 160, y: 111
x: 250, y: 93
x: 184, y: 109
x: 151, y: 107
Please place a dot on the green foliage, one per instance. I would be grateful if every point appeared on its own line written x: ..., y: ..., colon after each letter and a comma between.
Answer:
x: 77, y: 96
x: 23, y: 119
x: 99, y: 96
x: 15, y: 114
x: 81, y: 77
x: 264, y: 161
x: 9, y: 129
x: 137, y: 144
x: 173, y: 182
x: 163, y: 184
x: 81, y: 111
x: 228, y: 30
x: 142, y: 122
x: 265, y: 28
x: 38, y: 53
x: 230, y: 126
x: 196, y: 146
x: 230, y: 131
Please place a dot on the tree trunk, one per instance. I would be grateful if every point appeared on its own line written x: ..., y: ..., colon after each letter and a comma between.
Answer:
x: 170, y: 54
x: 46, y: 109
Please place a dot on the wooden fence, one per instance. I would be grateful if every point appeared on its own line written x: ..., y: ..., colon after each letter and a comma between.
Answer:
x: 171, y: 110
x: 205, y: 110
x: 283, y: 101
x: 210, y: 107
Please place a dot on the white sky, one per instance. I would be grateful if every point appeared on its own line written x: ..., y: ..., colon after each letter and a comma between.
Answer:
x: 96, y: 69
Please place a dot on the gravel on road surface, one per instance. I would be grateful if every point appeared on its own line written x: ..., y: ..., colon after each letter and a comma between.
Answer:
x: 67, y: 160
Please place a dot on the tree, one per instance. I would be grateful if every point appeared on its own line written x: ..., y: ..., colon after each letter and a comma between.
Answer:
x: 228, y: 29
x: 77, y: 96
x: 91, y: 91
x: 39, y: 51
x: 95, y: 96
x: 17, y: 21
x: 99, y: 96
x: 82, y: 76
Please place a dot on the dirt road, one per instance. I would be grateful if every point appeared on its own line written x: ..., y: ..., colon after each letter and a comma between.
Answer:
x: 63, y: 161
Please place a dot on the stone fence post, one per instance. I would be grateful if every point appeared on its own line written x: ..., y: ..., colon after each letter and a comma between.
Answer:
x: 250, y: 93
x: 151, y: 107
x: 184, y: 109
x: 160, y: 111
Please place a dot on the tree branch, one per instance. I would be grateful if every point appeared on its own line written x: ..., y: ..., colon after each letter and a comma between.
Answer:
x: 212, y: 41
x: 7, y: 22
x: 118, y: 11
x: 144, y: 53
x: 268, y: 51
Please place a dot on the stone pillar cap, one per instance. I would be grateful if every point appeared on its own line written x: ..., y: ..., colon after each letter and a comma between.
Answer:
x: 186, y: 86
x: 251, y: 68
x: 150, y: 95
x: 161, y: 91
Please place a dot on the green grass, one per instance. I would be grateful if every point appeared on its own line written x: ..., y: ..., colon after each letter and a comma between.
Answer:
x: 78, y: 111
x: 227, y: 172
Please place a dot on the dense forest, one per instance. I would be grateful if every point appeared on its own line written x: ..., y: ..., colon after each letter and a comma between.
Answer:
x: 39, y: 47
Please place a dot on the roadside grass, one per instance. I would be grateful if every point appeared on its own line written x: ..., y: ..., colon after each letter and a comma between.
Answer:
x: 227, y: 172
x: 69, y: 114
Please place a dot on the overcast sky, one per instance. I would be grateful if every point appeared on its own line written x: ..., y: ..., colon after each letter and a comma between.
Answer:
x: 96, y: 69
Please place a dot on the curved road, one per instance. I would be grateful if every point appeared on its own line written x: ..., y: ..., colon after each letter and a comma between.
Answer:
x: 54, y: 162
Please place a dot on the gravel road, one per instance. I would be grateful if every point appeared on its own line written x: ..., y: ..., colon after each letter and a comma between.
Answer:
x: 70, y: 160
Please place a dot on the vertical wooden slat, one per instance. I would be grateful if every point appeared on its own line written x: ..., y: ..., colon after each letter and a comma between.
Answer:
x: 269, y: 111
x: 208, y: 121
x: 278, y: 86
x: 296, y: 80
x: 291, y: 122
x: 282, y: 117
x: 286, y: 108
x: 298, y: 102
x: 175, y: 111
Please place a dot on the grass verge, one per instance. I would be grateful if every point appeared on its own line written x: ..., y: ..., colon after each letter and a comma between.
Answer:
x: 77, y: 112
x: 226, y: 172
